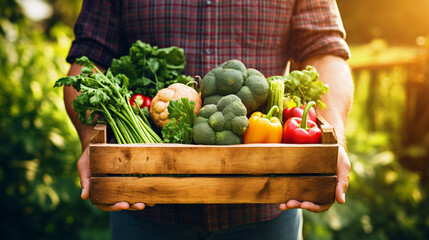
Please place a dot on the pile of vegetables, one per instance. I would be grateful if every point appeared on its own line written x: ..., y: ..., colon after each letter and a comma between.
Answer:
x: 144, y: 97
x: 283, y: 97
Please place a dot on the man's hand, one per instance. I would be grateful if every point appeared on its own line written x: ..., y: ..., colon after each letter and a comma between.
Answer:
x: 343, y: 175
x: 85, y: 183
x: 335, y: 72
x: 85, y: 132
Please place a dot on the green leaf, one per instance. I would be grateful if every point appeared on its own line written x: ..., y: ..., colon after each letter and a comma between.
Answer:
x: 91, y: 118
x: 177, y: 133
x: 140, y: 83
x: 181, y: 108
x: 302, y: 87
x: 125, y: 66
x: 99, y: 96
x: 122, y: 80
x: 183, y: 79
x: 81, y: 99
x: 86, y: 70
x: 153, y: 64
x: 181, y: 115
x: 67, y: 81
x: 84, y: 61
x: 82, y: 116
x: 149, y: 68
x: 174, y: 56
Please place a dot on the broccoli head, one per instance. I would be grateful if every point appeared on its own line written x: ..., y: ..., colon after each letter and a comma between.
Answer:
x: 223, y: 123
x: 232, y: 77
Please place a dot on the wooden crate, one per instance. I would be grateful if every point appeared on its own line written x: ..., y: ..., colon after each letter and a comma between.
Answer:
x: 245, y: 173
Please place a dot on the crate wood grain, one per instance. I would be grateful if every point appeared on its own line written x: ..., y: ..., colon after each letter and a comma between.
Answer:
x: 220, y: 174
x: 208, y: 190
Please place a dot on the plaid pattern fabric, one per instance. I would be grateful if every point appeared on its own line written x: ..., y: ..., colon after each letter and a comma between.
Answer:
x: 262, y: 34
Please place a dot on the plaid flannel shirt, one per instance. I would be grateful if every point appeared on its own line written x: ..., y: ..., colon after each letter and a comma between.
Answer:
x: 262, y: 34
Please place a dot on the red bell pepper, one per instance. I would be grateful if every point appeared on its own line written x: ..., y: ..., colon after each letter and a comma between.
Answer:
x: 141, y: 100
x: 297, y: 130
x: 297, y: 112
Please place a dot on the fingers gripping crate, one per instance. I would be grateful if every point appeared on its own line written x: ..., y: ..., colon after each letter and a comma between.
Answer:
x: 208, y: 174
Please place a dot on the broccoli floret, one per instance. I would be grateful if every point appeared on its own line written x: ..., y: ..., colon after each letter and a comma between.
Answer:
x: 221, y: 124
x: 207, y: 111
x: 232, y: 77
x: 212, y: 99
x: 236, y: 65
x: 227, y: 137
x: 228, y: 81
x: 238, y: 125
x: 203, y: 133
x: 217, y: 121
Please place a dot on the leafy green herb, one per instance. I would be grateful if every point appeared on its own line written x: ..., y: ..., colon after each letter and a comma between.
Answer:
x: 179, y: 128
x: 109, y: 95
x: 150, y: 69
x: 302, y: 87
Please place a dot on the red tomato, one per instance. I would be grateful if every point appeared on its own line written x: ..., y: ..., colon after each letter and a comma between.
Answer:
x: 141, y: 100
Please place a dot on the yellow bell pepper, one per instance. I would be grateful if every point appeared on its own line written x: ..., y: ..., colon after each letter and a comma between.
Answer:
x: 264, y: 128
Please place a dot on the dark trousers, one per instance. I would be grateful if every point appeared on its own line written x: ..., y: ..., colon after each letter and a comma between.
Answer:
x: 125, y: 225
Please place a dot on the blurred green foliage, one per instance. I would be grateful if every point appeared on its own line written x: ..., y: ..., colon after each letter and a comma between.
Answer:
x: 384, y: 201
x: 39, y: 185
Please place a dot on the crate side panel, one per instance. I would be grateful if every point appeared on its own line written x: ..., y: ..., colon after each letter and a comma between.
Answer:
x: 212, y: 190
x: 197, y: 159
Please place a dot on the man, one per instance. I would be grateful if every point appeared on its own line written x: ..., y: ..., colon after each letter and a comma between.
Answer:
x: 263, y: 35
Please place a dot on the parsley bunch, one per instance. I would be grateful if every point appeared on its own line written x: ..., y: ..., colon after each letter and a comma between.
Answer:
x: 179, y: 128
x: 109, y: 95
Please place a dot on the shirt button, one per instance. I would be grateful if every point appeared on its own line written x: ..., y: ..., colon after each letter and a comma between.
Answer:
x: 208, y: 51
x: 208, y: 2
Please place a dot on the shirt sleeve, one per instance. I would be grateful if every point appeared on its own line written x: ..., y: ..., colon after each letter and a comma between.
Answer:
x: 98, y: 33
x: 317, y: 29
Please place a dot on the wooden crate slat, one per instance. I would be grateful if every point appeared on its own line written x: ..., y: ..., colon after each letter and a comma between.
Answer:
x: 100, y: 134
x: 328, y: 135
x: 212, y: 190
x: 203, y: 159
